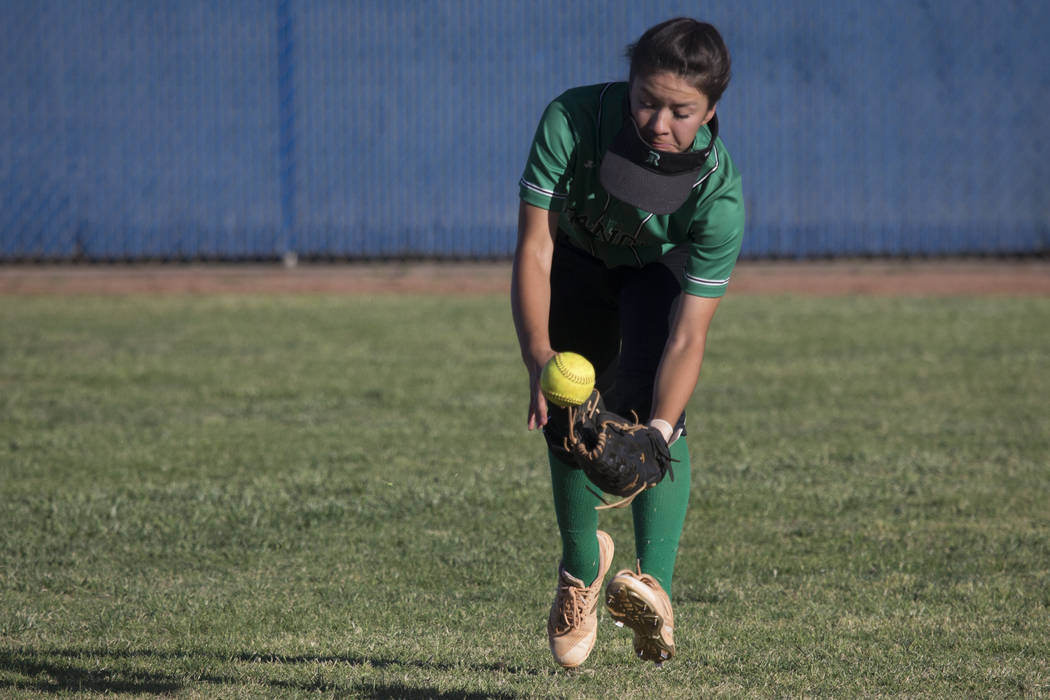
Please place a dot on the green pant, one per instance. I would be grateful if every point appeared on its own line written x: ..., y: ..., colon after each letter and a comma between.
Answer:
x: 659, y: 514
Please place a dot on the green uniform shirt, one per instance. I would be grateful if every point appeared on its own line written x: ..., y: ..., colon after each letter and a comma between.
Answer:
x: 562, y: 175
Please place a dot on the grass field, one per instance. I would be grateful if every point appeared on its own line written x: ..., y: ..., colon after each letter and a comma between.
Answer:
x: 285, y: 496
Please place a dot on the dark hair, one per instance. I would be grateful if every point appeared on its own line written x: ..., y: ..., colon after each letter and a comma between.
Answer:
x: 688, y: 48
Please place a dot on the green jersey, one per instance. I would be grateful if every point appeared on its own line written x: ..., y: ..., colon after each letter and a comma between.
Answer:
x: 562, y: 175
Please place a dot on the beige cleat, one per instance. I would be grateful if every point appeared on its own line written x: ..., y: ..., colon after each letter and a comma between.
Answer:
x: 573, y: 623
x: 638, y: 601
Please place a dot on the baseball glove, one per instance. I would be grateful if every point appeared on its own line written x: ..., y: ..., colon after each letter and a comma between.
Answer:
x: 619, y: 456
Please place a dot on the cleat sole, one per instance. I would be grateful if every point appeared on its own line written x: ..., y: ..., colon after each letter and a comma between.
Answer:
x: 628, y: 609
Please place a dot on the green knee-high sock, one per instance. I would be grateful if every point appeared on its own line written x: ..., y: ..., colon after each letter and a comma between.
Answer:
x: 577, y: 520
x: 659, y: 514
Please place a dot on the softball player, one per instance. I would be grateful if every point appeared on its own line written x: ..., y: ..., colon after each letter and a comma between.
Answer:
x: 630, y: 222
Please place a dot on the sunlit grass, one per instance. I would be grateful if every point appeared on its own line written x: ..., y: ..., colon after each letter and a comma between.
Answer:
x: 284, y: 496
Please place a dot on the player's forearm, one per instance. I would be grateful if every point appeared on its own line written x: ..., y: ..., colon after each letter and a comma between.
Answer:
x: 676, y: 378
x: 531, y: 282
x: 679, y: 369
x: 530, y: 302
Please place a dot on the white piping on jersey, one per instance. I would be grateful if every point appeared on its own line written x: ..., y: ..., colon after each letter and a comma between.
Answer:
x: 714, y: 152
x: 536, y: 188
x: 638, y: 231
x: 598, y: 148
x: 601, y: 106
x: 705, y: 282
x: 605, y: 209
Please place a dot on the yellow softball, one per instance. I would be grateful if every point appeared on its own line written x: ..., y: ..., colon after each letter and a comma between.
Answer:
x: 567, y: 379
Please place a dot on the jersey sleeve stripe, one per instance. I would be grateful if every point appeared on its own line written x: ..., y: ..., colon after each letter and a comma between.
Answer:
x: 706, y: 282
x: 536, y: 188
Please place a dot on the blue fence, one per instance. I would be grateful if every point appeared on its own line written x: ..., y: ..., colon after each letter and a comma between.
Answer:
x: 243, y: 129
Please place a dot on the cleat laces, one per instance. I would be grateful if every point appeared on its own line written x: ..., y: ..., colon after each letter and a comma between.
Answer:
x: 572, y: 606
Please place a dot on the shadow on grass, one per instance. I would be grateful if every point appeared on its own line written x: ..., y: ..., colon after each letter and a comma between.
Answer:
x: 380, y: 662
x: 47, y: 675
x: 55, y: 671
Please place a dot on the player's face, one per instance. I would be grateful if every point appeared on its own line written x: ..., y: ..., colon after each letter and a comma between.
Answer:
x: 668, y: 110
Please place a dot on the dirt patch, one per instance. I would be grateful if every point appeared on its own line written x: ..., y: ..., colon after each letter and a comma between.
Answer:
x: 904, y: 278
x: 832, y: 278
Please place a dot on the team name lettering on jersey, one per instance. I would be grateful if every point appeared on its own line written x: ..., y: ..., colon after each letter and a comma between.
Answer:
x: 603, y: 228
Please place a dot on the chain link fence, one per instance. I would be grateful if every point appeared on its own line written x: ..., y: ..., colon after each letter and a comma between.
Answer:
x: 247, y: 130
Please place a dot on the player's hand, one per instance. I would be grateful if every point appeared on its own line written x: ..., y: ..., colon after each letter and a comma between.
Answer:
x: 537, y: 401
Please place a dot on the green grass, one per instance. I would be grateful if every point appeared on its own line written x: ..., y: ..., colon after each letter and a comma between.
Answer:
x: 286, y: 496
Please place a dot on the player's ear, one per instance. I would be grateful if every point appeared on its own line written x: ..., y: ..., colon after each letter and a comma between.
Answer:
x: 710, y: 114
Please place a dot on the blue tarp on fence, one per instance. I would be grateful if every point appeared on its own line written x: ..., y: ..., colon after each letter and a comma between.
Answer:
x: 236, y: 129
